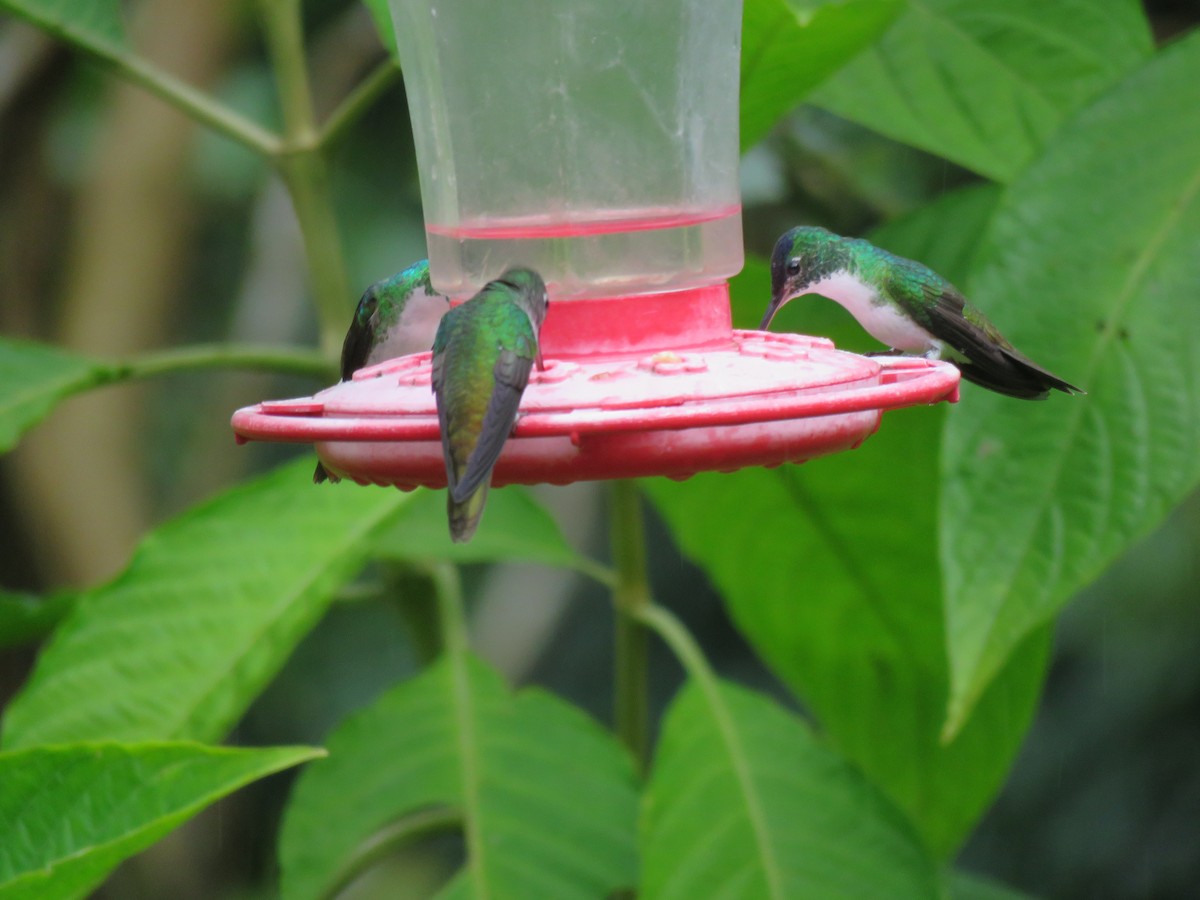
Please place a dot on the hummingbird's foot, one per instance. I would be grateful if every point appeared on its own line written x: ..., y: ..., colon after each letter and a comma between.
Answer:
x: 892, y: 352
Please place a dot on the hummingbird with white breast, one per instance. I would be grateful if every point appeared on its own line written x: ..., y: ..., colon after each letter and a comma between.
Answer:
x: 395, y: 317
x: 483, y: 354
x: 907, y: 306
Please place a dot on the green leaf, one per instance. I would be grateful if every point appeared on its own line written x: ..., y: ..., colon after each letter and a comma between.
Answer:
x: 744, y: 802
x: 968, y: 886
x: 383, y: 25
x: 90, y: 24
x: 24, y: 617
x: 515, y: 527
x: 33, y: 378
x: 69, y: 814
x: 545, y: 797
x: 209, y: 608
x: 986, y: 84
x: 945, y: 234
x: 1090, y: 268
x: 791, y: 46
x: 830, y: 569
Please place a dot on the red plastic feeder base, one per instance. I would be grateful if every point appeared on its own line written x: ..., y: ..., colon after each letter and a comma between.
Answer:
x: 714, y: 398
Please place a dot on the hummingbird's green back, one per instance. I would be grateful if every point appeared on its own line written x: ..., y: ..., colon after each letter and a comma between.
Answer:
x: 475, y: 343
x: 482, y: 357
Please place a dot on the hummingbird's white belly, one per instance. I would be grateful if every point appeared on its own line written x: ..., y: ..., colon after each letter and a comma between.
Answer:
x: 415, y: 330
x: 880, y: 319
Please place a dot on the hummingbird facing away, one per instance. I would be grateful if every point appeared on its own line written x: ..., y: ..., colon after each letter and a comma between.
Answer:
x: 395, y: 317
x: 482, y: 356
x: 906, y: 305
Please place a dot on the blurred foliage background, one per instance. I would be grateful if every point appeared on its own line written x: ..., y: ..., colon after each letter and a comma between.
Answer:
x: 125, y: 227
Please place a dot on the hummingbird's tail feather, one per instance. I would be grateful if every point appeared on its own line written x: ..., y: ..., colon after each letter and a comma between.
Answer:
x: 464, y: 516
x: 322, y: 474
x: 983, y: 354
x: 1005, y: 371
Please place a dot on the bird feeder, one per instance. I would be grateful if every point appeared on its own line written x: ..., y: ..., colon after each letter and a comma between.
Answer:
x: 596, y: 142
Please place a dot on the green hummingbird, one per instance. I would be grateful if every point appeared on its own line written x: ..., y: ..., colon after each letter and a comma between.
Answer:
x: 482, y: 356
x: 396, y: 316
x: 906, y: 305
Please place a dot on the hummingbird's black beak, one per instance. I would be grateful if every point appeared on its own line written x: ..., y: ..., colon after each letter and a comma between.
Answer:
x: 772, y: 308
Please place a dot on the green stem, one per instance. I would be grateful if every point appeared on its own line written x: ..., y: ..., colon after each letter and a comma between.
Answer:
x: 283, y: 28
x: 305, y: 171
x: 457, y: 653
x: 598, y: 572
x: 452, y: 618
x: 631, y: 597
x: 307, y: 178
x: 289, y: 360
x: 425, y: 823
x: 183, y: 96
x: 688, y: 652
x: 676, y: 636
x: 358, y: 101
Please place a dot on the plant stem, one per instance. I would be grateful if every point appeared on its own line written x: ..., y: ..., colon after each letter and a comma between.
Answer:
x: 304, y: 170
x: 424, y: 823
x: 183, y: 96
x: 676, y: 636
x: 456, y: 652
x: 598, y: 572
x: 452, y: 619
x: 358, y: 101
x: 283, y: 27
x: 289, y: 360
x: 631, y: 596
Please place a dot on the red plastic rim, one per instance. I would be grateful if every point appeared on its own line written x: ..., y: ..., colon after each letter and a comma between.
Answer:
x: 753, y: 398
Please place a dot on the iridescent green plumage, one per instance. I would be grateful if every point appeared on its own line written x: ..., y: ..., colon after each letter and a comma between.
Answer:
x: 394, y: 317
x: 380, y: 318
x: 482, y: 356
x: 906, y: 305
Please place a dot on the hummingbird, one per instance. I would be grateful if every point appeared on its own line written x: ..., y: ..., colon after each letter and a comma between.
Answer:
x: 482, y: 356
x: 907, y: 306
x: 396, y: 316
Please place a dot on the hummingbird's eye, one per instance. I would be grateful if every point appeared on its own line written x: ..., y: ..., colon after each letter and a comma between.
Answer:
x: 793, y: 266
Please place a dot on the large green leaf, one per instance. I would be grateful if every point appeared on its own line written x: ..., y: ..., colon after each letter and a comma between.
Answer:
x: 1092, y: 269
x: 791, y: 46
x: 33, y: 378
x: 744, y: 802
x: 830, y: 570
x: 545, y: 797
x: 211, y: 605
x: 985, y: 84
x: 24, y: 617
x: 91, y: 24
x: 70, y: 813
x: 967, y: 886
x: 946, y: 233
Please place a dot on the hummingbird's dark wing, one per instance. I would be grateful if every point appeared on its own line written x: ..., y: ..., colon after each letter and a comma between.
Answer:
x: 511, y: 373
x: 437, y: 381
x: 355, y: 350
x: 989, y: 360
x: 357, y: 345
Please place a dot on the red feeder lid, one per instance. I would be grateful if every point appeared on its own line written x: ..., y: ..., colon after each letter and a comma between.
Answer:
x: 633, y: 386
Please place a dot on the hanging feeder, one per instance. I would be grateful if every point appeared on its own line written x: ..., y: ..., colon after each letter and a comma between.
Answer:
x: 599, y: 147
